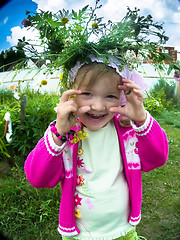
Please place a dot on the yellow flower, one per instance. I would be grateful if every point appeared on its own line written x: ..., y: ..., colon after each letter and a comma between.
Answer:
x: 64, y: 20
x: 95, y: 25
x: 82, y: 135
x: 75, y: 140
x: 85, y: 134
x: 80, y: 152
x: 72, y: 96
x: 61, y: 76
x: 77, y: 213
x: 43, y: 82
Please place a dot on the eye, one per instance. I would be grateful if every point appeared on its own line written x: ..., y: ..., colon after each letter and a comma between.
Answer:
x: 112, y: 96
x: 86, y: 93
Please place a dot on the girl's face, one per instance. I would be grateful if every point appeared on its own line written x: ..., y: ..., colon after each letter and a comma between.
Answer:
x: 99, y: 97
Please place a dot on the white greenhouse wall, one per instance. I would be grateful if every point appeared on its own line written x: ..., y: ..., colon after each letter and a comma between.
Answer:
x: 29, y: 77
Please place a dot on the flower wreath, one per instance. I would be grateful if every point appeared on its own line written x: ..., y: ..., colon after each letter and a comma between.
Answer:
x: 68, y: 37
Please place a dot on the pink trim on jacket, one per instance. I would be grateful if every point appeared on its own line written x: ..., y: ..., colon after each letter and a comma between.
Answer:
x: 142, y: 149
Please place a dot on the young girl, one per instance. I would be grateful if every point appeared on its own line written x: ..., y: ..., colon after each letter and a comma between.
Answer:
x: 100, y: 175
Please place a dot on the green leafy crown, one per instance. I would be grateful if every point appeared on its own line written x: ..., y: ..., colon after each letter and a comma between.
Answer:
x: 67, y: 37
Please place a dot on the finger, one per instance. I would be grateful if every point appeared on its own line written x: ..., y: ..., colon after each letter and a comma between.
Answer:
x: 69, y: 93
x: 124, y: 88
x: 131, y: 85
x: 138, y: 93
x: 82, y: 110
x: 124, y: 81
x: 65, y: 109
x: 118, y: 109
x: 128, y: 88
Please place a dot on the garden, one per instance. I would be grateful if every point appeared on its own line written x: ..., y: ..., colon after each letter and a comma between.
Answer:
x: 29, y: 213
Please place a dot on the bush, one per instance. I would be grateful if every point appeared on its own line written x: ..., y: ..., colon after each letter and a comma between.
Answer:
x: 6, y: 95
x: 168, y: 87
x: 39, y: 112
x: 161, y: 97
x: 153, y: 105
x: 8, y: 104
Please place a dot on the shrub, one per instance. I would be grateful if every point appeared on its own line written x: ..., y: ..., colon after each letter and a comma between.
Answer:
x: 8, y: 104
x: 6, y: 95
x: 161, y: 97
x: 153, y: 105
x: 3, y: 150
x: 39, y: 112
x: 168, y: 87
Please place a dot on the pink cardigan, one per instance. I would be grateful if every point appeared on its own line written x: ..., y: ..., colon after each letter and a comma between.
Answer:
x: 142, y: 149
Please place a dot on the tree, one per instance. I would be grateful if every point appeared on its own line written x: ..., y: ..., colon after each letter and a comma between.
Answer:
x: 11, y: 56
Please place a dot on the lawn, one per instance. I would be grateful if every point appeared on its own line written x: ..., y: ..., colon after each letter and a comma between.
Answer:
x: 32, y: 214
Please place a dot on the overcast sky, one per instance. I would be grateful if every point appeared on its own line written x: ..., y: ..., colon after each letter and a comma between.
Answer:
x: 163, y: 11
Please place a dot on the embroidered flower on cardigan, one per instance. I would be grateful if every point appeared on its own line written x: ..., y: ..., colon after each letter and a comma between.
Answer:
x: 136, y: 148
x: 80, y: 180
x: 80, y: 151
x: 80, y: 162
x: 77, y: 200
x: 136, y: 151
x: 77, y: 213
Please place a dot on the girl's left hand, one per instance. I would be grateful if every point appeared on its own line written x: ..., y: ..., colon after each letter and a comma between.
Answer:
x: 134, y: 108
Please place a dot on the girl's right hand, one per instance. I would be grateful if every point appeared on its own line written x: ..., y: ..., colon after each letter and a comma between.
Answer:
x: 66, y: 112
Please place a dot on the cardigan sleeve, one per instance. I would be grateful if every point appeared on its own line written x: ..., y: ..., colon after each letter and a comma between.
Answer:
x: 152, y: 144
x: 44, y: 166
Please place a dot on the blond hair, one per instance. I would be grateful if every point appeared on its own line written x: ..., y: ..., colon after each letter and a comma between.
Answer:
x: 97, y: 70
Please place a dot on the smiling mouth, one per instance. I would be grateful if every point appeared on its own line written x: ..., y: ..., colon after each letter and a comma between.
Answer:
x: 96, y: 116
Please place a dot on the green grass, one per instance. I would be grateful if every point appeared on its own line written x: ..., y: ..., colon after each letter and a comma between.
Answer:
x: 161, y: 203
x: 27, y: 213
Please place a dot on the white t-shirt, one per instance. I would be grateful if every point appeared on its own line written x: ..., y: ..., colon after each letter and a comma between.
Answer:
x: 102, y: 194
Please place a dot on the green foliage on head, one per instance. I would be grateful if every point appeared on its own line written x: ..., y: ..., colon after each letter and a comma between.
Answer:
x: 67, y: 37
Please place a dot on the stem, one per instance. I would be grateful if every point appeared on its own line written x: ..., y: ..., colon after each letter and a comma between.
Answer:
x: 91, y: 16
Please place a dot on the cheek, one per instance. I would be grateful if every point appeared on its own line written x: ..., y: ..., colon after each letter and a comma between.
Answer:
x: 80, y: 101
x: 114, y: 103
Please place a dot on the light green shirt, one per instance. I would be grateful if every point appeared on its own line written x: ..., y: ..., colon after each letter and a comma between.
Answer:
x: 103, y: 194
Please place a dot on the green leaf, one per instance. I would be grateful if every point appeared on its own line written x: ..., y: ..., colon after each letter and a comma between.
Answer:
x: 166, y: 56
x: 169, y: 70
x: 40, y: 25
x: 74, y: 14
x: 85, y: 8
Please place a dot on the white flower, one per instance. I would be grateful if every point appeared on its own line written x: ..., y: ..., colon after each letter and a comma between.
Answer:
x: 40, y: 83
x: 16, y: 95
x: 55, y: 108
x: 157, y: 103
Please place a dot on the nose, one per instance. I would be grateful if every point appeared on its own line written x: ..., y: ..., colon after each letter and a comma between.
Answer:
x: 98, y: 105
